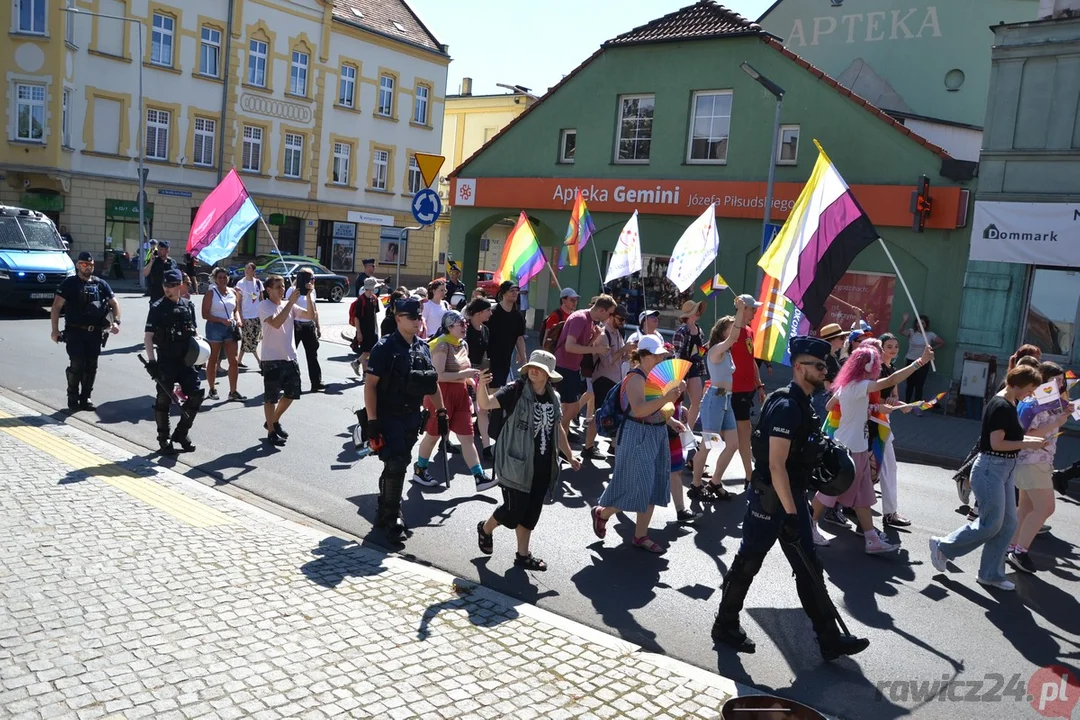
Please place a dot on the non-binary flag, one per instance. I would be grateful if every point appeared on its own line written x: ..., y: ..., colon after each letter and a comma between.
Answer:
x: 578, y: 232
x: 626, y: 260
x: 826, y: 229
x: 695, y: 250
x: 775, y: 322
x: 222, y: 220
x: 522, y: 258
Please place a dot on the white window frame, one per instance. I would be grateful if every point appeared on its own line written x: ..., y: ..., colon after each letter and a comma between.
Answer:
x: 619, y: 127
x: 157, y: 124
x: 780, y: 145
x: 253, y: 141
x: 298, y: 73
x: 31, y: 102
x: 420, y: 105
x: 206, y: 129
x: 65, y: 119
x: 158, y: 36
x: 347, y: 79
x: 209, y: 47
x: 386, y: 91
x: 34, y: 5
x: 294, y: 155
x: 690, y: 160
x: 258, y: 57
x: 342, y: 162
x: 565, y: 159
x: 69, y: 26
x: 415, y: 177
x: 380, y: 169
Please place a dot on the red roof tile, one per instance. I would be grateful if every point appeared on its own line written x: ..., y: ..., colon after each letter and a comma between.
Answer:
x: 381, y: 16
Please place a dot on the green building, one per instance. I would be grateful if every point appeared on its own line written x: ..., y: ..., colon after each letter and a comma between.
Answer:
x: 663, y: 120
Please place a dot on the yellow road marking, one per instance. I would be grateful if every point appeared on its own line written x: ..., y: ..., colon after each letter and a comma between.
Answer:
x: 170, y: 501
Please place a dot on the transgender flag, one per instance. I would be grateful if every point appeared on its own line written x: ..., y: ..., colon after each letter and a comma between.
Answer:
x: 222, y: 220
x: 825, y: 231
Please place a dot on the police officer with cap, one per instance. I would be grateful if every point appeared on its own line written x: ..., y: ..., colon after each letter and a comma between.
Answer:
x: 155, y: 271
x: 788, y: 451
x: 87, y: 301
x: 400, y: 374
x: 369, y: 271
x: 454, y: 286
x: 171, y: 327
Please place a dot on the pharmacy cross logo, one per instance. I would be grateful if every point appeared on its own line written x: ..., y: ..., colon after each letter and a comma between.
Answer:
x: 466, y: 192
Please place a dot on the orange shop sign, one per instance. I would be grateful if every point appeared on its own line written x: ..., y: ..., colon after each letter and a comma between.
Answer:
x: 887, y: 205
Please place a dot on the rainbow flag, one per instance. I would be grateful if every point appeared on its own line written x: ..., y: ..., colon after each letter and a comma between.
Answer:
x: 1070, y: 380
x: 711, y: 286
x: 880, y: 430
x: 578, y: 232
x: 775, y: 322
x: 522, y: 258
x: 927, y: 404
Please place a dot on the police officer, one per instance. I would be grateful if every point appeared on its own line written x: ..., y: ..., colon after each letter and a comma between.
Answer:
x: 170, y: 326
x: 369, y: 271
x: 454, y: 286
x: 788, y: 448
x: 88, y: 301
x: 155, y: 271
x: 400, y: 375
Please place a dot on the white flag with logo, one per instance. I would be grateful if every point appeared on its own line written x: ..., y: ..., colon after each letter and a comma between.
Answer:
x: 695, y: 250
x: 626, y: 260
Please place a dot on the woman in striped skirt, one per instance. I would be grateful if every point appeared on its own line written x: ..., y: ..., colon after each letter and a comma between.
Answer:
x: 640, y: 479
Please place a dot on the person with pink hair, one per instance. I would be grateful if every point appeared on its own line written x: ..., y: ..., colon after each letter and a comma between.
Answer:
x: 859, y: 377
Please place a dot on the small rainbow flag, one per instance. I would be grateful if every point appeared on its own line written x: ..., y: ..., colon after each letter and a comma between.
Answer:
x: 1070, y: 380
x: 714, y: 285
x: 578, y: 232
x: 880, y: 430
x: 522, y: 258
x: 927, y: 404
x: 776, y: 320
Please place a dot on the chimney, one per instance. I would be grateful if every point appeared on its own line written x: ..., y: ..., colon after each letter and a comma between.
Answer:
x: 466, y: 86
x: 1058, y: 9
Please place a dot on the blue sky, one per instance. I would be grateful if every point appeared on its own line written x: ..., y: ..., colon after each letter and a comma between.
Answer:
x: 535, y: 43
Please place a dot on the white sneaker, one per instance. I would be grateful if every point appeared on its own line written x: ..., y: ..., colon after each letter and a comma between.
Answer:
x: 355, y: 365
x: 876, y: 543
x: 937, y: 558
x: 999, y: 584
x: 819, y: 539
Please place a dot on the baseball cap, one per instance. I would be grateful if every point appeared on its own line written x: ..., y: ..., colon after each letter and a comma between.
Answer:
x: 163, y: 243
x: 620, y: 311
x: 370, y: 283
x: 507, y: 286
x: 646, y: 313
x: 85, y: 257
x: 750, y: 301
x: 806, y: 345
x: 173, y: 276
x: 568, y: 293
x: 408, y: 306
x: 652, y: 345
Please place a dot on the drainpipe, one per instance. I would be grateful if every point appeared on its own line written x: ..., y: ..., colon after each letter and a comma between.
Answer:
x: 225, y: 91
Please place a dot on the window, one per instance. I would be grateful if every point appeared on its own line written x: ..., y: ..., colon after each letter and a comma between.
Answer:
x: 381, y: 167
x: 709, y: 127
x: 257, y: 63
x: 205, y: 131
x: 157, y: 134
x: 69, y: 28
x: 31, y: 16
x: 342, y: 153
x: 1052, y: 311
x: 298, y: 74
x: 252, y: 150
x: 635, y: 129
x: 65, y: 120
x: 30, y: 112
x: 161, y: 40
x: 420, y: 106
x: 386, y: 95
x: 347, y: 86
x: 567, y: 145
x: 787, y: 152
x: 294, y: 151
x: 210, y: 51
x: 416, y: 180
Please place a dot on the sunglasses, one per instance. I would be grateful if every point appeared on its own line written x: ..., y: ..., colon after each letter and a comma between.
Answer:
x: 409, y: 315
x: 817, y: 365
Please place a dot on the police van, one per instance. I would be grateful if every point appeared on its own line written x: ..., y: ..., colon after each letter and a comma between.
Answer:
x: 33, y: 257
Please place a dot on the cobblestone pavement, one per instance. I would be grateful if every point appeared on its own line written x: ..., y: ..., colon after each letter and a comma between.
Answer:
x: 129, y: 591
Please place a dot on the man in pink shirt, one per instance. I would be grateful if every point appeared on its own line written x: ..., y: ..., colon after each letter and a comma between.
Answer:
x: 578, y: 339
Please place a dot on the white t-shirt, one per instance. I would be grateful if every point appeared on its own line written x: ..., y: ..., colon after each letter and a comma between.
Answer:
x: 222, y: 305
x: 433, y: 313
x: 277, y: 343
x: 301, y: 305
x: 635, y: 337
x: 915, y: 342
x: 854, y: 413
x: 251, y: 294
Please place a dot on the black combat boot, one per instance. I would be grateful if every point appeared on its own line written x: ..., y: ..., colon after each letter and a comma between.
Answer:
x: 388, y: 516
x: 165, y: 446
x: 187, y: 416
x: 88, y: 378
x: 726, y: 628
x: 73, y: 378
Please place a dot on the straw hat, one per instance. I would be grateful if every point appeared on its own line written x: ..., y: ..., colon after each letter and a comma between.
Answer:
x: 692, y: 308
x: 831, y: 332
x: 545, y: 361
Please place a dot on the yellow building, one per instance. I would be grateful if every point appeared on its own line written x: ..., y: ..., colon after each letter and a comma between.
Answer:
x: 319, y: 104
x: 470, y: 121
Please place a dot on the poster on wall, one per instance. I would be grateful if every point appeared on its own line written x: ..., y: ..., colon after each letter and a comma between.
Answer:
x: 870, y: 292
x: 392, y: 248
x: 344, y: 247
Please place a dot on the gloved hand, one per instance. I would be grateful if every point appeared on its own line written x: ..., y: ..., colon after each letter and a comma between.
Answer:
x: 152, y: 369
x: 443, y: 421
x: 789, y: 529
x: 374, y: 429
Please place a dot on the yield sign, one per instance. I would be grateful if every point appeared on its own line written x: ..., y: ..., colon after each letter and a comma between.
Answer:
x: 429, y: 166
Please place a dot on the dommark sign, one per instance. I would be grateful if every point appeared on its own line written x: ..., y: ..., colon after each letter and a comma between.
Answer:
x: 1026, y: 233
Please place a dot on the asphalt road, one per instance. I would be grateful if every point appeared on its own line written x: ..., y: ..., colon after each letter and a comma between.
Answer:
x: 923, y: 626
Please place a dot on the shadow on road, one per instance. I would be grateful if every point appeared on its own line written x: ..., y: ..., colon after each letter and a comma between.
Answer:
x: 337, y: 559
x: 481, y: 612
x: 241, y: 462
x: 123, y: 350
x: 131, y: 410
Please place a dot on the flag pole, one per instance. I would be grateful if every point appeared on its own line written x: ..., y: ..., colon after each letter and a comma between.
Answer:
x: 716, y: 302
x: 599, y: 271
x: 272, y: 240
x: 554, y: 276
x: 907, y: 292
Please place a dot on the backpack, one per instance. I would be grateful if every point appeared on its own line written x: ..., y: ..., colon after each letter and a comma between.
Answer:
x: 551, y: 335
x: 610, y: 416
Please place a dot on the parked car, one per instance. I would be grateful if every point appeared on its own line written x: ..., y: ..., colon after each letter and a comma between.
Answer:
x: 33, y: 261
x: 485, y: 280
x: 236, y: 272
x: 328, y: 285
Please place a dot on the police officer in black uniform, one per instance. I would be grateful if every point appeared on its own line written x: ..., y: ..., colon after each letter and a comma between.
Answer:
x: 369, y: 271
x: 155, y: 271
x: 400, y: 375
x: 170, y: 326
x: 790, y: 455
x: 87, y: 300
x: 454, y: 286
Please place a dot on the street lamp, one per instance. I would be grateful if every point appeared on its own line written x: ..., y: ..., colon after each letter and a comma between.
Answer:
x: 401, y: 241
x: 778, y: 93
x: 142, y: 133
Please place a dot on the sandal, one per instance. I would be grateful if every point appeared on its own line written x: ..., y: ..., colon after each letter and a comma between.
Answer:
x: 530, y: 562
x: 599, y: 524
x: 484, y: 540
x: 647, y: 543
x: 719, y: 492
